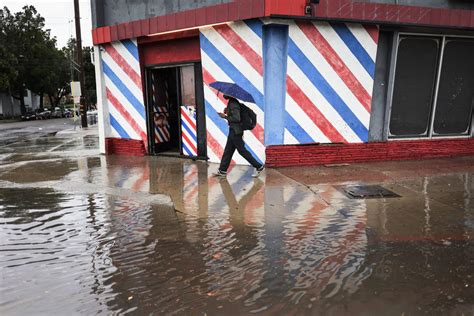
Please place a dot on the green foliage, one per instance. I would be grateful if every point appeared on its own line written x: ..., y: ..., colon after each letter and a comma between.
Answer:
x: 8, y: 60
x: 29, y: 58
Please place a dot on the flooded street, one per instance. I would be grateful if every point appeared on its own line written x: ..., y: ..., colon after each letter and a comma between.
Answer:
x: 82, y: 233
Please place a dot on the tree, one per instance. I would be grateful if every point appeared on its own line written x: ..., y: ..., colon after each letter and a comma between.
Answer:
x: 8, y: 61
x: 50, y: 75
x: 36, y: 62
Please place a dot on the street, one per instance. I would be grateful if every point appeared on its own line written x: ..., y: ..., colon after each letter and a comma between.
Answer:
x: 83, y: 233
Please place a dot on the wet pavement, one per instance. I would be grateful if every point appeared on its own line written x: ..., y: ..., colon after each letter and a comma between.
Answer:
x: 82, y: 233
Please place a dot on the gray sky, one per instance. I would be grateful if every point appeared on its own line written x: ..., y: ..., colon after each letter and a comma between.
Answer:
x: 59, y: 17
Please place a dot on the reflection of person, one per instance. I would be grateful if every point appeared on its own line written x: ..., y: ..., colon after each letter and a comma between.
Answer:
x: 244, y: 234
x: 235, y: 139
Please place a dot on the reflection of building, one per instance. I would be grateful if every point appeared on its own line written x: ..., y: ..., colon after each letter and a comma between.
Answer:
x: 345, y: 73
x: 232, y: 241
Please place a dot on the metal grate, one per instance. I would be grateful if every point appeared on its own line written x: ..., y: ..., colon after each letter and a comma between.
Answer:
x: 368, y: 192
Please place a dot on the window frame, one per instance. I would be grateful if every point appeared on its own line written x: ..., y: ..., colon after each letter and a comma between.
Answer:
x: 391, y: 86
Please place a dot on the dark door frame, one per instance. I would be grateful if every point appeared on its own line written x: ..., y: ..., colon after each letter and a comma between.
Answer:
x: 200, y: 108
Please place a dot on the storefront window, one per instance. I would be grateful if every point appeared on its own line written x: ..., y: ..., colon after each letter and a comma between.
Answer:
x: 432, y: 96
x: 455, y: 97
x: 413, y: 88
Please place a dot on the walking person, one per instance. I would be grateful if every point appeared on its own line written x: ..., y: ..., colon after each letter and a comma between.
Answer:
x: 232, y: 114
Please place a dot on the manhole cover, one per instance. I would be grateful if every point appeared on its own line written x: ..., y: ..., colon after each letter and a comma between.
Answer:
x: 368, y: 192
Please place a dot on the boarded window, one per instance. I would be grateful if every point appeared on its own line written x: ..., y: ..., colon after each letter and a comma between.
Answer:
x: 415, y: 77
x: 432, y: 97
x: 456, y: 88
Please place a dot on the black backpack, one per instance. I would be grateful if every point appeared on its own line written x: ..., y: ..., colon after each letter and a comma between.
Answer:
x: 248, y: 118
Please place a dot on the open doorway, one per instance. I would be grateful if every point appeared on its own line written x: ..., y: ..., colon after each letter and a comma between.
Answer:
x: 176, y: 111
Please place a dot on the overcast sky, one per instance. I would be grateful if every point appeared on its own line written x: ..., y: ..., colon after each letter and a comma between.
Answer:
x: 59, y: 16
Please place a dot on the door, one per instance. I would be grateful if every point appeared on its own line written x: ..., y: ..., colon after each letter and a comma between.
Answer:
x: 176, y: 111
x: 163, y: 110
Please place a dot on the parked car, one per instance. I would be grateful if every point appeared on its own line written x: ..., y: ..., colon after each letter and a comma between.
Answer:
x: 29, y: 115
x: 57, y: 113
x: 43, y: 114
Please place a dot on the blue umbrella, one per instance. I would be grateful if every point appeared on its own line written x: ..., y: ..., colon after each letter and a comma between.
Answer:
x: 233, y: 90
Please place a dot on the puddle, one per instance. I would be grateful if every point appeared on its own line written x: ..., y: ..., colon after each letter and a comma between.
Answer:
x: 87, y: 234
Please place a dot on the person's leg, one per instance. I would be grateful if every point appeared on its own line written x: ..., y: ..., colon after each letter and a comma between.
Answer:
x: 227, y: 155
x: 240, y: 145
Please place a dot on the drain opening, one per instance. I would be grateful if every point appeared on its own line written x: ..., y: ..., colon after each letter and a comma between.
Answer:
x: 368, y: 192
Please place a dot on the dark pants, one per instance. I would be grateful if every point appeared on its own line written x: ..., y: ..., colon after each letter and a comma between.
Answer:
x: 235, y: 141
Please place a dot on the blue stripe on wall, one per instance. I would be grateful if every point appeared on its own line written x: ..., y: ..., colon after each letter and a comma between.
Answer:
x: 355, y: 47
x: 231, y: 71
x: 192, y: 133
x: 187, y: 150
x: 222, y: 125
x: 115, y: 124
x: 296, y: 130
x: 327, y: 91
x: 256, y: 26
x: 132, y: 48
x: 124, y: 90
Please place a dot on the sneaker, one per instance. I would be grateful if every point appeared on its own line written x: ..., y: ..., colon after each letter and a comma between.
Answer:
x: 220, y: 173
x: 258, y: 171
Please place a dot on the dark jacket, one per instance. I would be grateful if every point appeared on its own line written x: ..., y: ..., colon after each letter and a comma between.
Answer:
x: 233, y: 116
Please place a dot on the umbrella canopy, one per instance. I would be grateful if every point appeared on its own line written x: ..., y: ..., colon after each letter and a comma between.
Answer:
x: 233, y: 90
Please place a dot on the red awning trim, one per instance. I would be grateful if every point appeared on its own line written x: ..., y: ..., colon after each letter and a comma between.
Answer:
x: 347, y: 10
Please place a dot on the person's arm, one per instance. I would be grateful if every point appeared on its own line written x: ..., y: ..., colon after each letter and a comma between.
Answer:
x: 233, y: 112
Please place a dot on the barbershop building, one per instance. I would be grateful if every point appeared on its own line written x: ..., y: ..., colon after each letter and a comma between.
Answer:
x: 333, y: 81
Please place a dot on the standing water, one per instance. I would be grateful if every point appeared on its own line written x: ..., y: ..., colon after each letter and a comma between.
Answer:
x: 84, y: 234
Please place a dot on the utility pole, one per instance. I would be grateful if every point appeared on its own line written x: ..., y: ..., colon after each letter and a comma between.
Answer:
x: 83, y: 109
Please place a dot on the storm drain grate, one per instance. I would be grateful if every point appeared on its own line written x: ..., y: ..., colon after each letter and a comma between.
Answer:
x: 368, y: 192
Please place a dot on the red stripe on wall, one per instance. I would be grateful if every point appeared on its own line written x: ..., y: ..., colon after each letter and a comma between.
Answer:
x: 189, y: 142
x: 313, y: 112
x: 241, y: 46
x: 320, y: 43
x: 116, y: 103
x: 119, y: 60
x: 373, y: 32
x: 214, y: 144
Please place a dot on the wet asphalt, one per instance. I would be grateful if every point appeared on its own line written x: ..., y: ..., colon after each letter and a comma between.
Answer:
x: 82, y: 233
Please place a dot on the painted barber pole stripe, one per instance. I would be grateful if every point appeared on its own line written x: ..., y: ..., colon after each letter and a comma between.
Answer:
x: 228, y: 55
x: 254, y: 138
x: 162, y: 133
x: 335, y: 76
x: 188, y: 132
x: 124, y: 91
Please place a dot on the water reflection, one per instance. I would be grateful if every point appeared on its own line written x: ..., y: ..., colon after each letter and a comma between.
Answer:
x: 234, y: 245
